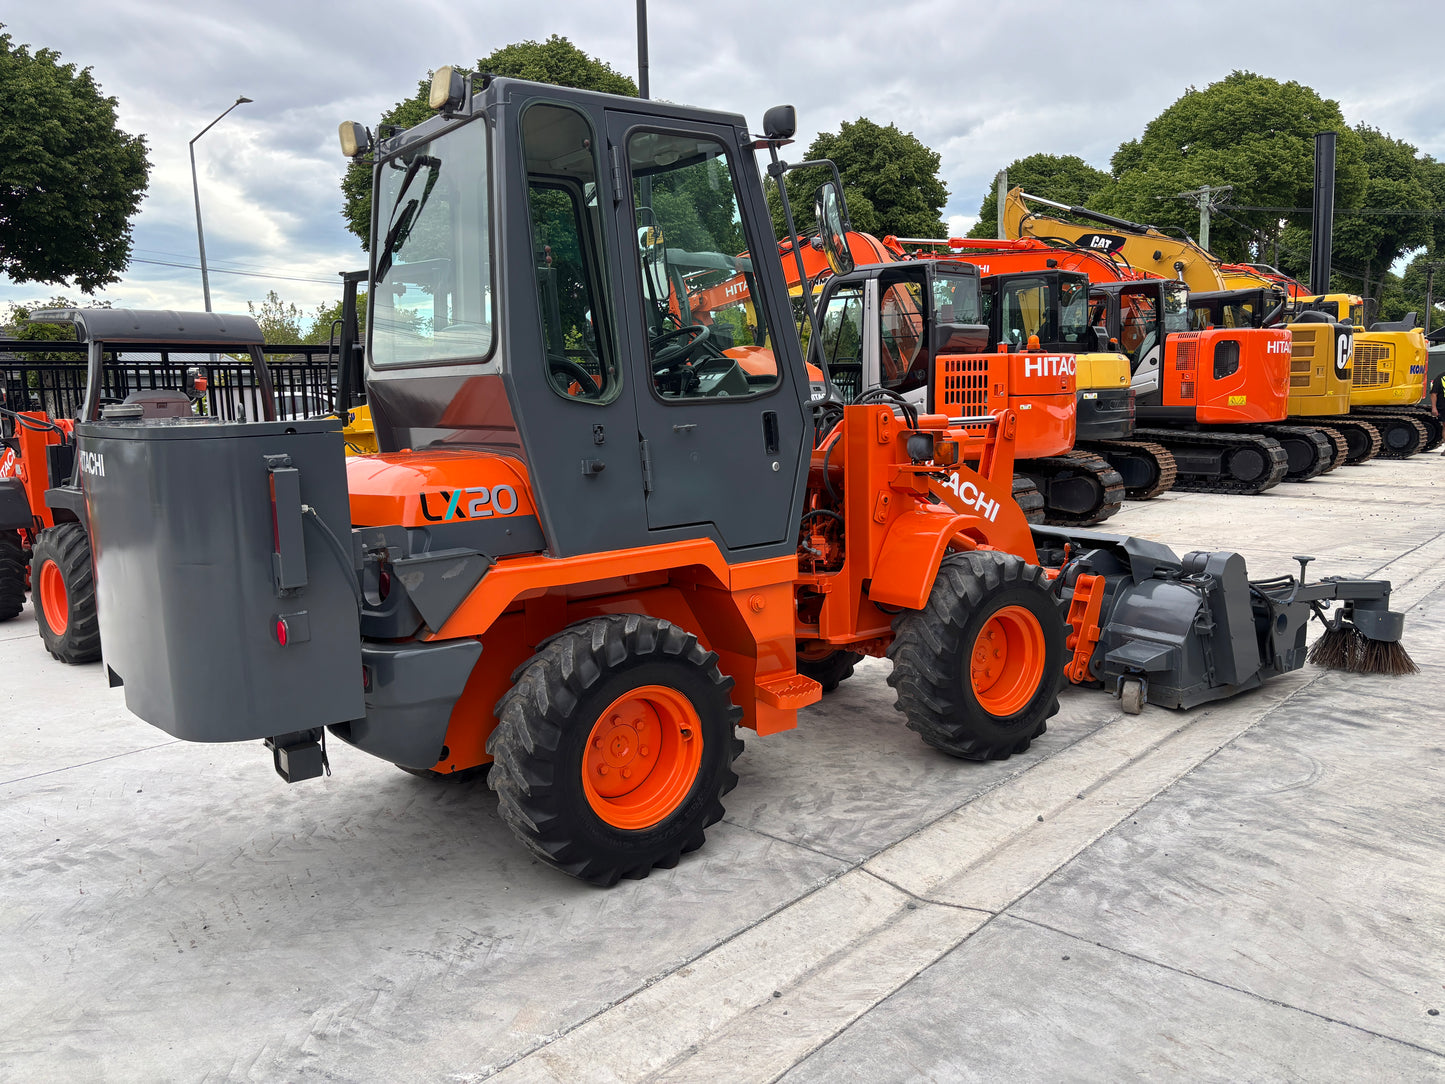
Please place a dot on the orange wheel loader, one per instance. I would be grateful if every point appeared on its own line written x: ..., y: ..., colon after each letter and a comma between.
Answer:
x: 602, y: 529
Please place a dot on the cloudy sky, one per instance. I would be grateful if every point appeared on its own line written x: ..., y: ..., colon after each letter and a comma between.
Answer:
x: 983, y: 83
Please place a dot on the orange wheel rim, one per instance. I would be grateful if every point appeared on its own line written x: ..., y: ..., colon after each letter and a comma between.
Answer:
x: 642, y: 757
x: 54, y: 602
x: 1007, y: 661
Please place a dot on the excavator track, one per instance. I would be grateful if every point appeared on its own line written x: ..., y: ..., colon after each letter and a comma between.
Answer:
x: 1402, y: 434
x: 1309, y: 451
x: 1434, y: 428
x: 1342, y: 446
x: 1219, y: 462
x: 1079, y: 488
x: 1362, y: 438
x: 1148, y: 469
x: 1028, y: 498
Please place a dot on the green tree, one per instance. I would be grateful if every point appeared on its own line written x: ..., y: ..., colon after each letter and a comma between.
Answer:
x: 1370, y: 243
x: 890, y: 180
x: 326, y: 315
x: 555, y: 61
x: 19, y: 325
x: 1065, y: 178
x: 1246, y: 130
x: 280, y: 320
x: 70, y: 180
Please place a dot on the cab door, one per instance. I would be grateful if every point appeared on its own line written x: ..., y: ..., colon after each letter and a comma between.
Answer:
x: 721, y: 402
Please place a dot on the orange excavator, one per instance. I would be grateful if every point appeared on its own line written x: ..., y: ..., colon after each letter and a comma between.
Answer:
x: 1344, y: 378
x: 1217, y: 396
x: 1054, y: 482
x: 1033, y: 289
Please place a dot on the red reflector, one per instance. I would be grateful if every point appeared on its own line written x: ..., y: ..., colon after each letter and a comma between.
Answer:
x: 281, y: 632
x: 383, y: 584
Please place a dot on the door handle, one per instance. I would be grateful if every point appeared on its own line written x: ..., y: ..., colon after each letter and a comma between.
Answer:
x: 686, y: 427
x: 770, y: 432
x: 593, y: 466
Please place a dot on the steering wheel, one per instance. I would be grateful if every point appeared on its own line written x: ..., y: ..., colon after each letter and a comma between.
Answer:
x: 670, y: 349
x: 572, y: 371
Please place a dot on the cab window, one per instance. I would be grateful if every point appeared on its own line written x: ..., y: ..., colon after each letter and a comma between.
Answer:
x: 1025, y: 312
x: 1074, y: 313
x: 566, y: 253
x: 433, y: 297
x: 841, y: 334
x: 900, y: 326
x: 705, y: 336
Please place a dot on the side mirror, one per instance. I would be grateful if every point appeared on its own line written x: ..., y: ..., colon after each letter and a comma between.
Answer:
x: 828, y: 209
x: 652, y: 247
x: 780, y: 122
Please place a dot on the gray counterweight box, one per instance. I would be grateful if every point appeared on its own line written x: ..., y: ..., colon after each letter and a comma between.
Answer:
x: 196, y: 564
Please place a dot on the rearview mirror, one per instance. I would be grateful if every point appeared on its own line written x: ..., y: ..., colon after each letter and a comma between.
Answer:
x: 652, y: 247
x: 828, y: 209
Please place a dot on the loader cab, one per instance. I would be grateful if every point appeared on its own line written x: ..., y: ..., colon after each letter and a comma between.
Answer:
x: 535, y: 249
x: 884, y: 325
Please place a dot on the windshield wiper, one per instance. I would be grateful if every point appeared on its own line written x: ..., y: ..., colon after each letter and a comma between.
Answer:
x: 401, y: 223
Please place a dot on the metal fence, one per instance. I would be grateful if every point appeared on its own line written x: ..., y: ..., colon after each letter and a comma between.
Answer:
x: 51, y: 376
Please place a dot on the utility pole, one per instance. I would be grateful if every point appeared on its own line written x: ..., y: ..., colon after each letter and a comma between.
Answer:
x: 642, y: 88
x: 1430, y: 293
x: 1000, y: 188
x: 1208, y: 198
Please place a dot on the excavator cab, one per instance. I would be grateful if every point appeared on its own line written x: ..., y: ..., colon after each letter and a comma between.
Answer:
x: 884, y: 325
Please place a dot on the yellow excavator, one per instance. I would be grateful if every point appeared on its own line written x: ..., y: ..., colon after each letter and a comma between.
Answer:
x: 1389, y: 366
x: 1367, y: 411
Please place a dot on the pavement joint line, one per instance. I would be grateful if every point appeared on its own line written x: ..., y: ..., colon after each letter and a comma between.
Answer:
x: 1223, y: 985
x: 995, y: 785
x: 88, y: 763
x: 1008, y: 910
x: 810, y: 848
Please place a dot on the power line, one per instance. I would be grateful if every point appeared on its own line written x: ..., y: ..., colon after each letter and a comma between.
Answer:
x: 1340, y: 210
x: 227, y: 271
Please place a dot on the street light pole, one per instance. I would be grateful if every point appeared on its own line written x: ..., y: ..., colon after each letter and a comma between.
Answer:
x: 196, y: 191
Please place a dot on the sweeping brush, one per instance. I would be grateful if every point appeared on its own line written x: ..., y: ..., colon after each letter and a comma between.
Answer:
x: 1339, y: 648
x: 1345, y: 647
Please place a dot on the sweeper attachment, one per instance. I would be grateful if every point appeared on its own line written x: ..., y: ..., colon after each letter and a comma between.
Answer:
x: 1156, y: 629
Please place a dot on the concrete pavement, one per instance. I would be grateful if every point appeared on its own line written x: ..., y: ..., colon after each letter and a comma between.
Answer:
x: 1253, y: 890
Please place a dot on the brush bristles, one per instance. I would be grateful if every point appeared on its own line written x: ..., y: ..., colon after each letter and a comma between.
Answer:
x: 1348, y: 648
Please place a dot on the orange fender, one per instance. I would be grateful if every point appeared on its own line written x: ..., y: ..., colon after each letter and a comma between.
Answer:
x: 912, y: 551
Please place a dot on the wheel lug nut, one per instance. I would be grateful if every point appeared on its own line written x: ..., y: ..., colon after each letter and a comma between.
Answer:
x: 602, y: 769
x: 643, y: 751
x: 626, y: 773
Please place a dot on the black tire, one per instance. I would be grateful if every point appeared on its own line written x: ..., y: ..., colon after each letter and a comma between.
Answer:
x: 466, y: 775
x: 831, y: 670
x: 932, y: 653
x: 12, y: 575
x: 72, y: 634
x: 545, y: 721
